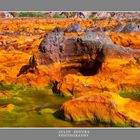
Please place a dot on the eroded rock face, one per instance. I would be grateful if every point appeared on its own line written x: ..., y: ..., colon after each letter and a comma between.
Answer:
x: 86, y: 53
x: 92, y: 59
x: 58, y: 47
x: 51, y: 46
x: 106, y: 107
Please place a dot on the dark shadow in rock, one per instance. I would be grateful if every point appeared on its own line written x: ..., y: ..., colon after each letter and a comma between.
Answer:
x: 90, y: 68
x: 55, y: 87
x: 59, y: 114
x: 57, y: 29
x: 42, y: 46
x: 24, y: 69
x: 137, y: 59
x: 87, y: 68
x: 93, y: 67
x: 31, y: 71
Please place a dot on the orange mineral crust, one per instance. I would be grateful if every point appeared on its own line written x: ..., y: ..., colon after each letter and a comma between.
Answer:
x: 93, y: 63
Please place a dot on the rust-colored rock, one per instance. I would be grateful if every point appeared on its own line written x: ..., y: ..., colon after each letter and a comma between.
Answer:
x: 82, y: 64
x: 8, y: 107
x: 116, y: 74
x: 126, y: 39
x: 106, y: 107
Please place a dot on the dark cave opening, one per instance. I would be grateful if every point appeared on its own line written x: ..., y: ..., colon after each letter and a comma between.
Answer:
x: 90, y: 68
x: 87, y: 67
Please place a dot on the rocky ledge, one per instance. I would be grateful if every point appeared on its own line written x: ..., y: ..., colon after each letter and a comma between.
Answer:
x: 102, y: 108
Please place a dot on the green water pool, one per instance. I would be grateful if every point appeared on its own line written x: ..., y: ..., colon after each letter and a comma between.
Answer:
x: 25, y: 100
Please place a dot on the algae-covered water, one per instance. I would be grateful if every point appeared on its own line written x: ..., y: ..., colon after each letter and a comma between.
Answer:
x: 36, y: 107
x: 26, y: 101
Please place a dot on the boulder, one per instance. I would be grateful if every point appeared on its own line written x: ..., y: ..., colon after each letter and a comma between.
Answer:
x: 86, y: 53
x: 74, y: 27
x: 130, y: 28
x: 57, y: 47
